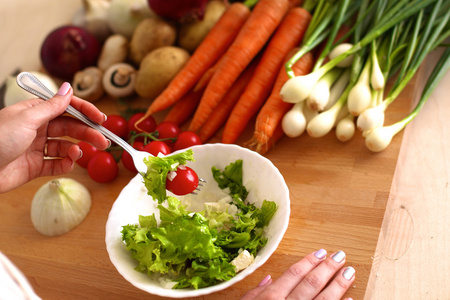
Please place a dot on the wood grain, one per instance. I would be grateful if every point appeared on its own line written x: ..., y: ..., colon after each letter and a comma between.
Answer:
x: 339, y: 194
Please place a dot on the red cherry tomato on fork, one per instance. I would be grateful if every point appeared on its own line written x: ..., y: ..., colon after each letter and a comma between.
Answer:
x: 185, y: 181
x: 186, y: 139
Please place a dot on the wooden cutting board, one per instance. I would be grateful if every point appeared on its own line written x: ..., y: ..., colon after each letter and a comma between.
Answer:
x: 338, y: 194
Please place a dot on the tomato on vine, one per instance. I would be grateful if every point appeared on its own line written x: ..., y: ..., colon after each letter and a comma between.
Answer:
x: 102, y: 167
x: 168, y: 130
x: 184, y: 182
x: 89, y: 151
x: 127, y: 160
x: 186, y: 139
x: 118, y: 125
x: 156, y: 147
x: 147, y: 125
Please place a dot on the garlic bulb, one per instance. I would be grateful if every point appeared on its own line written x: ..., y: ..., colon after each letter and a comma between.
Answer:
x: 15, y: 93
x: 59, y: 206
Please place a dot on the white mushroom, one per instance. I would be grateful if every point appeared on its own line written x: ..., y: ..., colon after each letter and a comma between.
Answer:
x: 114, y: 50
x: 87, y: 84
x: 118, y: 80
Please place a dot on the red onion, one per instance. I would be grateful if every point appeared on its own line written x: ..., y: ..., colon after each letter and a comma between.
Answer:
x: 179, y: 10
x: 69, y: 49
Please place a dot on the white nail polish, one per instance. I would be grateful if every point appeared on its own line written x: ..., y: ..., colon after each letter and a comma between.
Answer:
x: 348, y: 273
x: 339, y: 256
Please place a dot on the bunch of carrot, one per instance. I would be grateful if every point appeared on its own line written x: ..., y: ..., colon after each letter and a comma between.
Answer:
x: 237, y: 71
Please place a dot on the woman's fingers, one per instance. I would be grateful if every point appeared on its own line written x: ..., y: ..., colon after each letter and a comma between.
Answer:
x: 340, y: 284
x: 68, y: 126
x: 61, y: 149
x: 290, y: 279
x: 88, y: 109
x: 315, y: 281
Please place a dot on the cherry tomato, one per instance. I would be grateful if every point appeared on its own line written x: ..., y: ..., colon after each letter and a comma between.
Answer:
x: 185, y: 182
x: 186, y: 139
x: 89, y: 151
x: 118, y: 125
x: 127, y: 160
x: 166, y: 130
x: 147, y: 125
x: 156, y: 147
x: 103, y: 168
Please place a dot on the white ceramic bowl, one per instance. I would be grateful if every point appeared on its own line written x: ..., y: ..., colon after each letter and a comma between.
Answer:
x: 261, y: 178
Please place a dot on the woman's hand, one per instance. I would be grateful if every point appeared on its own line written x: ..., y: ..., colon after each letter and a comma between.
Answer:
x: 310, y: 278
x: 31, y: 130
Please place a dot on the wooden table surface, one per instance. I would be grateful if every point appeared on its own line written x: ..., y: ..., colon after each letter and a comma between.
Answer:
x: 388, y: 211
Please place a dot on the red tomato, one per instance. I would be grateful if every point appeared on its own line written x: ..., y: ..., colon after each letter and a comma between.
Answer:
x: 127, y: 160
x: 118, y: 125
x: 185, y: 182
x: 156, y: 147
x: 103, y: 168
x: 186, y: 139
x: 148, y: 125
x: 89, y: 151
x: 166, y: 130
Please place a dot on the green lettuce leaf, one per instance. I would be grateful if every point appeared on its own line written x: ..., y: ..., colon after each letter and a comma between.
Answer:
x: 157, y: 170
x: 231, y: 178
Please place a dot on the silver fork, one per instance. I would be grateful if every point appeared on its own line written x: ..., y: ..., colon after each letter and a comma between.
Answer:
x: 31, y: 84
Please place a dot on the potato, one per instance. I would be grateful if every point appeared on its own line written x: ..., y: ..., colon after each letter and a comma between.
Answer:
x: 158, y: 68
x: 191, y: 34
x: 151, y: 33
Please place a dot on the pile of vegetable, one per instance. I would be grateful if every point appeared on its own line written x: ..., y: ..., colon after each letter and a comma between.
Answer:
x: 156, y: 139
x: 200, y: 249
x: 126, y: 48
x: 312, y: 68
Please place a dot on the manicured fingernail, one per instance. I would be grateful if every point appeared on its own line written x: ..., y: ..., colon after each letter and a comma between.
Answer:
x: 64, y: 89
x: 109, y: 143
x: 81, y: 154
x: 105, y: 117
x: 348, y: 273
x: 320, y: 253
x: 265, y: 280
x: 339, y: 256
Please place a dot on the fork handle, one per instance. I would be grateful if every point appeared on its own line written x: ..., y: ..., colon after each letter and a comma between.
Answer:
x: 31, y: 84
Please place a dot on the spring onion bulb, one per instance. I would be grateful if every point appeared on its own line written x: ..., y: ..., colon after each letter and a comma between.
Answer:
x: 338, y: 88
x: 338, y: 50
x: 360, y: 95
x: 321, y: 124
x: 371, y: 118
x: 320, y: 94
x: 378, y: 138
x: 298, y: 88
x: 345, y: 128
x: 59, y: 206
x: 309, y: 113
x: 294, y: 121
x: 377, y: 80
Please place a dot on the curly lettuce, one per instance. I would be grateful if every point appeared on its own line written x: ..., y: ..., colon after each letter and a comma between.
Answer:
x: 197, y: 249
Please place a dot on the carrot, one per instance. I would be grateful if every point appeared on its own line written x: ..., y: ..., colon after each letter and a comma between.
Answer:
x: 288, y: 35
x: 204, y: 80
x: 219, y: 116
x: 208, y: 52
x: 277, y: 135
x: 262, y: 22
x: 273, y: 110
x: 184, y: 108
